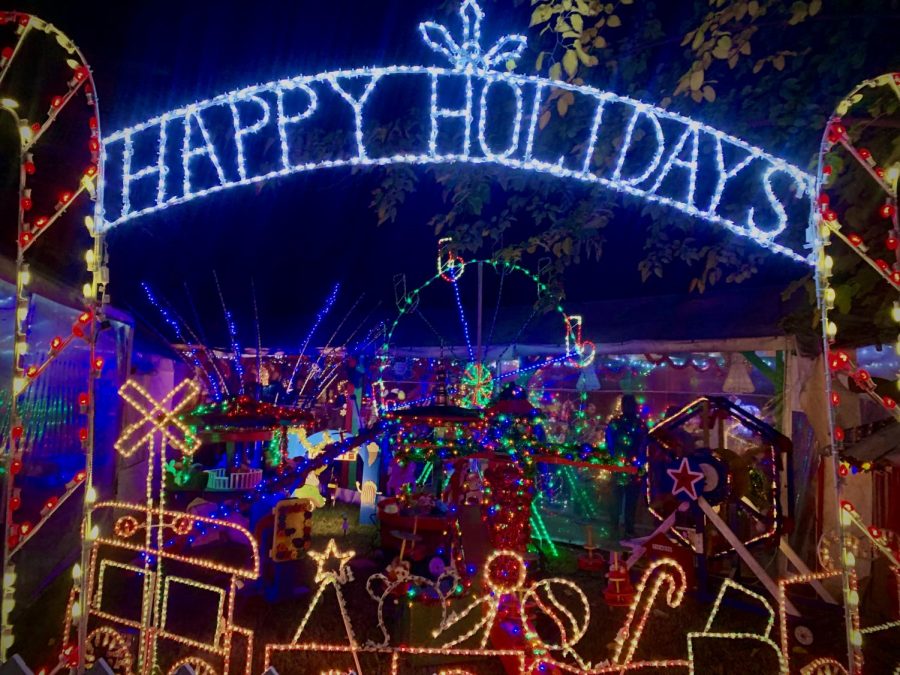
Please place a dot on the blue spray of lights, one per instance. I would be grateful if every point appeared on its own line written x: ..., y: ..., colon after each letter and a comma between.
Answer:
x: 176, y: 328
x: 232, y: 333
x: 462, y: 318
x: 329, y: 303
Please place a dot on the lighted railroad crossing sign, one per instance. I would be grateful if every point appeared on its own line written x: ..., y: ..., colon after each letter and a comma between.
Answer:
x: 158, y: 418
x: 476, y: 112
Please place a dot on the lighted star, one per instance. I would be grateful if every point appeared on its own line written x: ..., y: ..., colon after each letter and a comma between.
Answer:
x: 331, y: 552
x: 685, y: 479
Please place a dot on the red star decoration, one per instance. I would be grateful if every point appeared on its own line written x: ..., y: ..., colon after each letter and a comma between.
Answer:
x: 685, y: 479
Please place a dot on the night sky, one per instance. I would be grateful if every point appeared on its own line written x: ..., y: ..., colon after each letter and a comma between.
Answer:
x: 294, y: 238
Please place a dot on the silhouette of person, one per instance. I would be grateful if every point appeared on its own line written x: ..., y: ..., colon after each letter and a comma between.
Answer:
x: 626, y: 437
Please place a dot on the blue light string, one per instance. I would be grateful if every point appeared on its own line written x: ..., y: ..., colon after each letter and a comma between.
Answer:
x: 167, y: 317
x: 536, y: 366
x: 409, y: 404
x: 462, y: 318
x: 329, y: 303
x: 259, y: 493
x: 232, y: 332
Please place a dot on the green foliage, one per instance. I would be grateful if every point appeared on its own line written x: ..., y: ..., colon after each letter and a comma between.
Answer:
x: 770, y: 71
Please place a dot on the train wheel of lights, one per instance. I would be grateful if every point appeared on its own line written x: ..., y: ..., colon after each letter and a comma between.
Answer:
x: 107, y: 644
x: 473, y: 374
x: 823, y: 667
x: 198, y: 665
x: 828, y: 549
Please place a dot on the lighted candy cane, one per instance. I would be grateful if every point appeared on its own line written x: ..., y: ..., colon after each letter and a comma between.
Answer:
x: 660, y: 573
x: 575, y: 344
x: 825, y: 225
x: 29, y: 229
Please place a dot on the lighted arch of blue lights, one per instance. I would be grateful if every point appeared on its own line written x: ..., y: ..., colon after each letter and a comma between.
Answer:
x: 142, y: 162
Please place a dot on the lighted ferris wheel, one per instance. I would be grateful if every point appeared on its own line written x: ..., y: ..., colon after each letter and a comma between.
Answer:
x: 490, y: 341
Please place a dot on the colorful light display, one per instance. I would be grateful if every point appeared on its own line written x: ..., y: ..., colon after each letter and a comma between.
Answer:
x: 85, y: 176
x: 476, y: 71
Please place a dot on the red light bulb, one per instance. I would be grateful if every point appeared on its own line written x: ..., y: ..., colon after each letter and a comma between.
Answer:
x: 864, y: 153
x: 888, y: 402
x: 83, y: 399
x: 30, y: 168
x: 838, y: 434
x: 83, y: 434
x: 56, y: 102
x: 882, y: 265
x: 15, y: 503
x: 17, y: 432
x: 887, y: 210
x: 892, y: 242
x: 15, y: 467
x: 826, y: 170
x: 7, y: 53
x: 40, y: 221
x: 27, y: 203
x: 98, y: 363
x: 829, y: 215
x: 824, y: 198
x: 854, y: 239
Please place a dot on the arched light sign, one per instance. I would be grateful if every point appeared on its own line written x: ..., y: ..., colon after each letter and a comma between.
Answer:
x: 473, y: 111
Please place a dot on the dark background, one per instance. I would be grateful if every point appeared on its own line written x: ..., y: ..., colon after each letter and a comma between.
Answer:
x: 294, y: 238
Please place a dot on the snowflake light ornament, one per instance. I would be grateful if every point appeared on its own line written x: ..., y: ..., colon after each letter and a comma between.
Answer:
x: 469, y: 55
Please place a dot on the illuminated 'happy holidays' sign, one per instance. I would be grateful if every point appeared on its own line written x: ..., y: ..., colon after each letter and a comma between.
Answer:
x: 473, y: 111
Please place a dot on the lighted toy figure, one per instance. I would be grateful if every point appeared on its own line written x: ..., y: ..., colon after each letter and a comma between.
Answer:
x: 626, y: 438
x: 474, y: 488
x: 454, y: 492
x: 619, y: 591
x: 311, y: 490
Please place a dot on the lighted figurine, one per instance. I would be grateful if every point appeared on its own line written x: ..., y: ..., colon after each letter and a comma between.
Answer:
x: 345, y: 525
x: 619, y: 591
